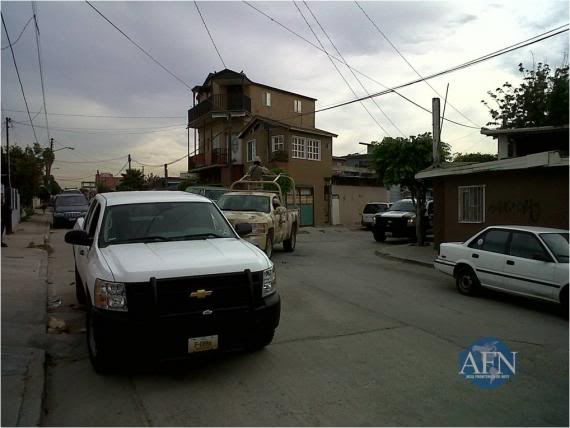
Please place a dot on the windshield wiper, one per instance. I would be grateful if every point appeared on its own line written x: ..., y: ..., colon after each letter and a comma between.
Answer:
x: 198, y: 236
x: 143, y: 239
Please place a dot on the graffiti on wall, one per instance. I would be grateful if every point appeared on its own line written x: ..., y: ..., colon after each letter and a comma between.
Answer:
x: 525, y: 207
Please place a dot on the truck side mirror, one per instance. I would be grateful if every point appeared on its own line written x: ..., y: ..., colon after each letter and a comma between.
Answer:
x: 78, y: 237
x: 243, y: 229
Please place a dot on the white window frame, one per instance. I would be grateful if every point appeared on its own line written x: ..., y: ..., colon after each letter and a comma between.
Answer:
x: 476, y: 204
x: 253, y: 151
x: 277, y: 143
x: 313, y: 150
x: 297, y: 106
x: 267, y: 99
x: 299, y: 147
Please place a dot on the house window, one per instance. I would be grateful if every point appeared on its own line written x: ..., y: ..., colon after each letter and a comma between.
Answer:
x: 297, y: 106
x: 250, y: 150
x: 267, y: 99
x: 471, y: 204
x: 313, y: 149
x: 277, y: 143
x: 298, y: 151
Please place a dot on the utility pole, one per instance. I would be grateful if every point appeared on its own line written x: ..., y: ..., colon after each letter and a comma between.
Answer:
x: 436, y: 131
x: 8, y: 190
x: 165, y: 175
x: 129, y: 158
x: 188, y: 132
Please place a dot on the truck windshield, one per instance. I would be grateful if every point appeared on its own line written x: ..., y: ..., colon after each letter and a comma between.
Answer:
x: 214, y: 195
x: 162, y: 221
x: 244, y: 203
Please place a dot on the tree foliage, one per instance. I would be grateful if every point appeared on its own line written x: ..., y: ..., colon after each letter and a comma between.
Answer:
x: 283, y: 182
x: 541, y: 99
x: 153, y: 182
x: 474, y: 157
x: 133, y: 179
x: 26, y: 171
x: 398, y: 160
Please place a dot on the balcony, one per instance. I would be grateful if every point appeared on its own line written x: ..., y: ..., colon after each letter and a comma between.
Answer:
x: 219, y: 103
x: 219, y: 157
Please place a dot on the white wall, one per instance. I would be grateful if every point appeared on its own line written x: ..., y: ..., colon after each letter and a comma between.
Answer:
x: 352, y: 200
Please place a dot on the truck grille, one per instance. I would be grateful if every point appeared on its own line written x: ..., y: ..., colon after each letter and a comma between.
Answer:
x: 173, y: 298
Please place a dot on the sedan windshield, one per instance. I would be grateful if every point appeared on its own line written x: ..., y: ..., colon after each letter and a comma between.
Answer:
x: 66, y: 201
x: 162, y: 221
x: 244, y: 203
x: 407, y: 206
x: 558, y: 244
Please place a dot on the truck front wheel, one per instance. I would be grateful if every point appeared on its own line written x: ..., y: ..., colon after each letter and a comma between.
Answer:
x: 379, y: 235
x: 269, y: 244
x: 98, y: 354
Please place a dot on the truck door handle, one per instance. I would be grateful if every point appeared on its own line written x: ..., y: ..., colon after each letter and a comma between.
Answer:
x: 82, y: 252
x: 475, y: 256
x: 510, y: 262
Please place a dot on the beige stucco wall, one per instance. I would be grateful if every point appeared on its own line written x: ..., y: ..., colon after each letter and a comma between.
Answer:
x: 352, y: 200
x: 281, y: 108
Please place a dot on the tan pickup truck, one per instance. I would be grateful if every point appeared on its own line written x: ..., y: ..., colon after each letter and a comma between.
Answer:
x: 262, y: 204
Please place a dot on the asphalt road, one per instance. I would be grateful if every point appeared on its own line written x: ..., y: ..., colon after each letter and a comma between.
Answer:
x: 363, y: 340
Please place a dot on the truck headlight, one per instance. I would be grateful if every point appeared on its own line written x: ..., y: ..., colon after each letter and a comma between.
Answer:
x: 269, y: 280
x: 258, y: 228
x: 110, y: 295
x: 412, y: 220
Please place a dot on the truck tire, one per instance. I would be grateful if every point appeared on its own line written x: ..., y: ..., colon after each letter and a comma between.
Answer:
x: 260, y: 339
x: 79, y: 289
x: 289, y: 244
x: 98, y: 353
x: 379, y: 236
x: 269, y: 244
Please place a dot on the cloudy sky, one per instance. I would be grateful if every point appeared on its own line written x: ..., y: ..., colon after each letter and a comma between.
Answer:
x: 90, y: 69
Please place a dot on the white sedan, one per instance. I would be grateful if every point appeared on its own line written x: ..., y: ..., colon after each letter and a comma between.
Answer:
x: 523, y: 260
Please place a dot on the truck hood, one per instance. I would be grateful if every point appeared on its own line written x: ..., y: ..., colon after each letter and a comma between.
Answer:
x: 139, y: 262
x: 235, y: 217
x: 397, y: 214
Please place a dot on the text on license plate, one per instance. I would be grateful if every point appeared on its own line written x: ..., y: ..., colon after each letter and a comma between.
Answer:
x: 204, y: 343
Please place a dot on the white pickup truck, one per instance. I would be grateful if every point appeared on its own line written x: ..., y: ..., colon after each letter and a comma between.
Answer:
x: 262, y: 204
x: 163, y: 274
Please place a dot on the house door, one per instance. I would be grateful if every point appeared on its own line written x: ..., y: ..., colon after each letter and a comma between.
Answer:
x: 306, y: 205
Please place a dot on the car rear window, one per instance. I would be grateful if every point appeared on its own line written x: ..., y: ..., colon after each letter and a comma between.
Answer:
x: 494, y: 241
x: 64, y: 201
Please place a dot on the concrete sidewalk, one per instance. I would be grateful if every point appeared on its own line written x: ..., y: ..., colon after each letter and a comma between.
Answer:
x: 24, y: 316
x: 408, y: 253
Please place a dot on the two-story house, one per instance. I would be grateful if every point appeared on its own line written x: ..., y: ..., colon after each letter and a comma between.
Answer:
x: 236, y: 119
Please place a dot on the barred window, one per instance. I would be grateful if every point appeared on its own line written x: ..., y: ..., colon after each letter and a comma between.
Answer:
x: 313, y: 149
x: 299, y: 148
x: 277, y: 143
x: 471, y: 204
x: 250, y: 150
x: 297, y: 106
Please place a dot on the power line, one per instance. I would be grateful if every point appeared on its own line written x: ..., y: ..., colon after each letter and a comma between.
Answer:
x: 91, y: 161
x: 349, y: 68
x: 20, y: 35
x: 338, y: 70
x: 19, y: 78
x: 139, y: 47
x: 162, y: 164
x: 408, y: 62
x: 37, y: 32
x: 446, y: 71
x: 101, y: 116
x: 98, y: 131
x: 210, y: 34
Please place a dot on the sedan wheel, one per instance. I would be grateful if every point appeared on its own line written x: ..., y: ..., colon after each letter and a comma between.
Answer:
x: 467, y: 282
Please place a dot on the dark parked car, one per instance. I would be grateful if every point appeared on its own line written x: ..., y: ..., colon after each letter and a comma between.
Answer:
x: 400, y: 220
x: 68, y: 207
x: 213, y: 193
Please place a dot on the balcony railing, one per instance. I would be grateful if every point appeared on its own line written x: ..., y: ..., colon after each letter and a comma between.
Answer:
x: 219, y: 156
x: 220, y: 103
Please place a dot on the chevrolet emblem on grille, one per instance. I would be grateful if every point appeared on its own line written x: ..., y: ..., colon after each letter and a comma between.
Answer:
x: 201, y: 294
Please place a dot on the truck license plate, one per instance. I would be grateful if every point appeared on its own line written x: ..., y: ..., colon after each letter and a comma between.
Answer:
x: 204, y: 343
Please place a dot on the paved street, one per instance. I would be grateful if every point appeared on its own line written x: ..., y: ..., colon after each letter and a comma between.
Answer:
x: 363, y: 340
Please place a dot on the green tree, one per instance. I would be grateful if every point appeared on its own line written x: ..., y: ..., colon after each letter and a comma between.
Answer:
x: 284, y: 183
x: 541, y: 99
x: 187, y: 182
x: 398, y: 160
x: 474, y: 157
x: 26, y: 171
x: 154, y: 182
x: 132, y: 180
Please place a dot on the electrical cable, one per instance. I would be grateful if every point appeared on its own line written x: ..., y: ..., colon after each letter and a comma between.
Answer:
x: 210, y: 34
x: 20, y: 35
x: 339, y: 72
x: 19, y: 78
x: 37, y: 33
x: 139, y: 46
x: 408, y: 62
x: 101, y: 116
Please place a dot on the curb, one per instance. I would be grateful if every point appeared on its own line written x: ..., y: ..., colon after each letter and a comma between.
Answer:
x: 402, y: 259
x: 31, y: 409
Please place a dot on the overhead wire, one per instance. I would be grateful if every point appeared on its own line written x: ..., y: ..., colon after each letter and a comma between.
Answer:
x: 101, y: 116
x: 159, y: 165
x: 408, y: 62
x: 20, y: 35
x: 143, y: 50
x: 349, y: 68
x: 209, y: 34
x: 339, y: 72
x: 37, y: 33
x: 98, y: 131
x: 19, y: 78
